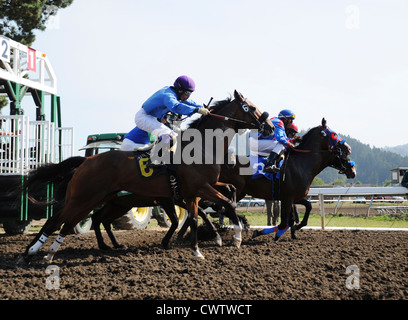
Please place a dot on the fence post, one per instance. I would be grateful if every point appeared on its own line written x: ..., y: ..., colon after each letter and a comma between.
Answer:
x: 321, y: 202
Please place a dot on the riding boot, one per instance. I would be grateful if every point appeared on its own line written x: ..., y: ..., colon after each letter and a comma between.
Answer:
x: 270, y: 166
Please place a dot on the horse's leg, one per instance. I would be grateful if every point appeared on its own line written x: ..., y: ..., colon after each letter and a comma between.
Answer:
x: 207, y: 221
x: 96, y: 223
x: 211, y: 194
x: 112, y: 210
x: 168, y: 206
x: 229, y: 203
x: 304, y: 221
x: 48, y: 228
x: 192, y: 207
x: 69, y: 220
x: 286, y: 210
x: 286, y: 207
x: 209, y: 224
x: 292, y: 218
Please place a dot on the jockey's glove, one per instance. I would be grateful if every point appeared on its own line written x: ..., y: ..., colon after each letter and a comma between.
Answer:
x: 203, y: 111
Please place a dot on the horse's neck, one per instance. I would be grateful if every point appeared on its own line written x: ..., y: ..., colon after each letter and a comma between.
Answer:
x: 312, y: 162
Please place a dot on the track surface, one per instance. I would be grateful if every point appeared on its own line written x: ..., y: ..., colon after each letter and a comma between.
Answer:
x: 311, y: 267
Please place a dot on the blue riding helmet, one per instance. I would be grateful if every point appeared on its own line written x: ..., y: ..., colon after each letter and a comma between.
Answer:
x: 286, y: 114
x: 184, y: 83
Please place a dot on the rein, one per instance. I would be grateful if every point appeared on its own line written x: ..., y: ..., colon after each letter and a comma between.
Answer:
x: 231, y: 119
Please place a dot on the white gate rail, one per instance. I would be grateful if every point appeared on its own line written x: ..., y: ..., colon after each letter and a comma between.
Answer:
x: 354, y: 191
x: 26, y: 145
x: 14, y: 133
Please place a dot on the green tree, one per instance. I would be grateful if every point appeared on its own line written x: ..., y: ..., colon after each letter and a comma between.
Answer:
x: 19, y: 19
x: 317, y: 182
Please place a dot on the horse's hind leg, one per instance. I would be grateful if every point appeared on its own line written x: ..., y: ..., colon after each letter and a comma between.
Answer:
x: 106, y: 215
x: 69, y: 223
x: 209, y: 224
x: 168, y: 206
x: 51, y: 225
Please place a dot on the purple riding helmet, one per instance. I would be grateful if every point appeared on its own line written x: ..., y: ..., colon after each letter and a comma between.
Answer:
x: 184, y: 83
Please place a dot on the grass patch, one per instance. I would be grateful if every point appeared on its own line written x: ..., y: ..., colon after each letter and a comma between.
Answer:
x: 384, y: 221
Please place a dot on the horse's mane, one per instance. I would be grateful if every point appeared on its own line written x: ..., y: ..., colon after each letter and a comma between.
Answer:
x: 214, y: 108
x: 306, y: 138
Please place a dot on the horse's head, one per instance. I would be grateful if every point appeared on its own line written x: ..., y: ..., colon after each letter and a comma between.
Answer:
x: 243, y: 114
x: 340, y: 149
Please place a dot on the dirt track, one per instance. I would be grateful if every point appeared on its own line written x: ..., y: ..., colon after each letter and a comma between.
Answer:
x: 312, y: 267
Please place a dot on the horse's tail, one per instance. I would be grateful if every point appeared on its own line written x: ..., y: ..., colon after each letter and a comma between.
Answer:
x: 59, y: 174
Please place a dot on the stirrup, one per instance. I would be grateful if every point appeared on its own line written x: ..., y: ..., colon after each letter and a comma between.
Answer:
x: 271, y: 169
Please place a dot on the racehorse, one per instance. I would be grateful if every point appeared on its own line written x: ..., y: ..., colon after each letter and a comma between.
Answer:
x: 99, y: 178
x: 320, y: 148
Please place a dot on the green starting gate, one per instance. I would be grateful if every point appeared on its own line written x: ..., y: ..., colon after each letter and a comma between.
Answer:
x: 25, y: 144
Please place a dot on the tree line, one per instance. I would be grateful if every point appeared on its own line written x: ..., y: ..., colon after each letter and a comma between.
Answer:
x: 373, y: 165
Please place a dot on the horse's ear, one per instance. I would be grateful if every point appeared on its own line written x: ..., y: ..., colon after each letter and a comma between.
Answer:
x: 238, y: 95
x: 324, y: 122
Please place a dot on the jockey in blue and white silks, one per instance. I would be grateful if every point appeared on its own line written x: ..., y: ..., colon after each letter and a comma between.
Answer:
x: 175, y: 99
x: 272, y: 146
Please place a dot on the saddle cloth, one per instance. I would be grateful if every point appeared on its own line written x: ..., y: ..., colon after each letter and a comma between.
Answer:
x: 257, y: 164
x: 143, y: 158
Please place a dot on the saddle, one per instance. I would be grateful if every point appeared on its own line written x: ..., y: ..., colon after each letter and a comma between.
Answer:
x: 142, y: 157
x: 258, y: 163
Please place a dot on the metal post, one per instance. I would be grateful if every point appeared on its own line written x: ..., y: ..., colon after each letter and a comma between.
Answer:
x: 321, y: 202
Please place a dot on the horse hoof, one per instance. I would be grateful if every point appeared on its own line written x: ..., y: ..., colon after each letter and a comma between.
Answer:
x: 121, y: 246
x: 218, y: 240
x: 237, y: 242
x: 198, y: 255
x: 165, y: 246
x: 256, y: 233
x: 49, y: 257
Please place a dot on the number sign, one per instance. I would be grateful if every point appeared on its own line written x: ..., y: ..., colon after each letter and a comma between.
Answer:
x: 31, y: 60
x: 4, y: 49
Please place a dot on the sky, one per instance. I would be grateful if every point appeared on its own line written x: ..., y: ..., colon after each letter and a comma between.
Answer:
x: 343, y: 60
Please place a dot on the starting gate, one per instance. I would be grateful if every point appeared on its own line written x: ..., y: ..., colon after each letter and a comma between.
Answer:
x: 25, y: 145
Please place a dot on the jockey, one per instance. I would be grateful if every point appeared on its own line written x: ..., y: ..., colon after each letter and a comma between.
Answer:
x: 174, y: 98
x: 275, y: 144
x: 292, y: 131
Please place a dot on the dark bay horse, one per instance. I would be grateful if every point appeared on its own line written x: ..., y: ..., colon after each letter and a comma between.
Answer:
x: 320, y: 148
x: 99, y: 178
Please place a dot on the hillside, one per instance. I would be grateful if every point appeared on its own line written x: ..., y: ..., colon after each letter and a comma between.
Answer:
x: 401, y: 149
x: 373, y: 164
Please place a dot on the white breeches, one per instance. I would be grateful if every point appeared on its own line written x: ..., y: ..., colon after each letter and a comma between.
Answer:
x: 150, y: 124
x: 264, y: 147
x: 129, y: 145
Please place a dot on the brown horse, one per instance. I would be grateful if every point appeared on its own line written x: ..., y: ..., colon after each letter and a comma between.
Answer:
x: 99, y: 178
